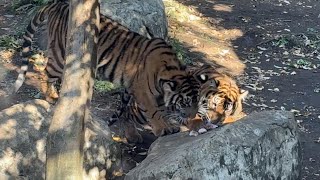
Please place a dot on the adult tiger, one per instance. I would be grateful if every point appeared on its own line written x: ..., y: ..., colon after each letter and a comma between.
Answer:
x: 220, y: 99
x: 147, y: 68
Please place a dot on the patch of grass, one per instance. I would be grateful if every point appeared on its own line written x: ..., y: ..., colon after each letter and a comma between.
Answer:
x: 104, y: 86
x: 312, y: 30
x: 179, y: 12
x: 281, y: 41
x: 180, y: 51
x: 10, y: 42
x: 27, y: 6
x: 303, y: 64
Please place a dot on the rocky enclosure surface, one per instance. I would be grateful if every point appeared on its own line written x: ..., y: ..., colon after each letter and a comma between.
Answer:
x: 23, y: 133
x: 263, y: 145
x: 147, y: 18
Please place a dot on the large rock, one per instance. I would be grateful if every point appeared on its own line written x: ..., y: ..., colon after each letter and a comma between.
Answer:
x: 140, y: 16
x: 263, y: 145
x: 23, y: 131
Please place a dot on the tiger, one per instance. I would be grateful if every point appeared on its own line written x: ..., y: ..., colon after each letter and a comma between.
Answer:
x: 220, y: 100
x: 210, y: 85
x: 131, y: 115
x: 147, y: 68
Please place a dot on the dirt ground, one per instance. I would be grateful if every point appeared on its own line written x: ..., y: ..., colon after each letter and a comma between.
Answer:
x: 272, y: 47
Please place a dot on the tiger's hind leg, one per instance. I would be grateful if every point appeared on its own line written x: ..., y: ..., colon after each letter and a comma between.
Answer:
x: 51, y: 94
x: 47, y: 89
x: 125, y: 117
x: 128, y: 127
x: 130, y: 131
x: 162, y: 128
x: 125, y: 101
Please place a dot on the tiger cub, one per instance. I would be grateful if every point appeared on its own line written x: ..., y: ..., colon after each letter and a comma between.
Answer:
x: 130, y: 115
x: 220, y: 100
x: 147, y: 68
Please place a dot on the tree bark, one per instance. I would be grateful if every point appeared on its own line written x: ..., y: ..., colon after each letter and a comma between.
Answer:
x: 66, y: 132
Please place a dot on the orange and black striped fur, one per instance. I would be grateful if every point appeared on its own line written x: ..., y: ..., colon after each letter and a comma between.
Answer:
x: 220, y: 99
x: 183, y: 106
x: 147, y: 68
x: 219, y: 102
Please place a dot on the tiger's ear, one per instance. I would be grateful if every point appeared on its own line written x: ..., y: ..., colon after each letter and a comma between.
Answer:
x: 243, y: 94
x: 169, y: 86
x: 168, y: 91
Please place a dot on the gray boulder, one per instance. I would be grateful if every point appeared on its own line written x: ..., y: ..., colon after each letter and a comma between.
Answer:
x: 263, y: 145
x: 147, y: 18
x: 23, y: 131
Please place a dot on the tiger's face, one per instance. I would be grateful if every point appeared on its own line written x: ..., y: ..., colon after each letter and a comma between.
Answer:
x: 220, y: 98
x: 219, y: 95
x: 182, y: 100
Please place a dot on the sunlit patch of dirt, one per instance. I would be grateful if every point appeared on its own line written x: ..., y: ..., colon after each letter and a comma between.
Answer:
x: 204, y: 41
x: 223, y: 7
x: 215, y: 53
x: 6, y: 56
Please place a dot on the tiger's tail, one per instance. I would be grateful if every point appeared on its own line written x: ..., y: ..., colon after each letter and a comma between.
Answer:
x: 37, y: 20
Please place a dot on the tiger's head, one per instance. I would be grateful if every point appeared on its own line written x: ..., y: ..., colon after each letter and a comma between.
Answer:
x: 181, y: 98
x: 219, y: 96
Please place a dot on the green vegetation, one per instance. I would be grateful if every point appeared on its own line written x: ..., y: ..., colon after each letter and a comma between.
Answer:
x: 303, y: 64
x: 27, y: 6
x: 281, y: 41
x: 104, y: 86
x: 10, y: 42
x: 177, y: 11
x: 180, y: 50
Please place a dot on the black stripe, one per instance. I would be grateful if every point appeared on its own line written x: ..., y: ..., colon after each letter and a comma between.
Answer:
x: 139, y: 45
x: 151, y: 51
x: 107, y: 33
x: 108, y: 49
x: 157, y: 111
x: 125, y: 65
x: 124, y: 43
x: 54, y: 69
x: 169, y: 53
x: 30, y: 29
x: 143, y: 55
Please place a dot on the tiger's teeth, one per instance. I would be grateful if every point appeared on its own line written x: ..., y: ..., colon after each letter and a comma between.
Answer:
x: 211, y: 126
x: 193, y: 133
x: 202, y: 130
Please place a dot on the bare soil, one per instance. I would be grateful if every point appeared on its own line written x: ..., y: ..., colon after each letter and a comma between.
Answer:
x: 270, y: 46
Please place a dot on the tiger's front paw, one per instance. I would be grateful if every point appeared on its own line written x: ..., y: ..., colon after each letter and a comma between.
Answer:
x: 166, y: 130
x: 171, y: 129
x: 51, y: 100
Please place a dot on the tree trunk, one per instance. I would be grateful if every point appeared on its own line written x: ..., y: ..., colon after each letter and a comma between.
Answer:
x: 66, y: 132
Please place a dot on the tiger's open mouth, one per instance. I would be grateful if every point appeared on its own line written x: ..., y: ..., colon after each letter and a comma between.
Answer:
x: 209, y: 116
